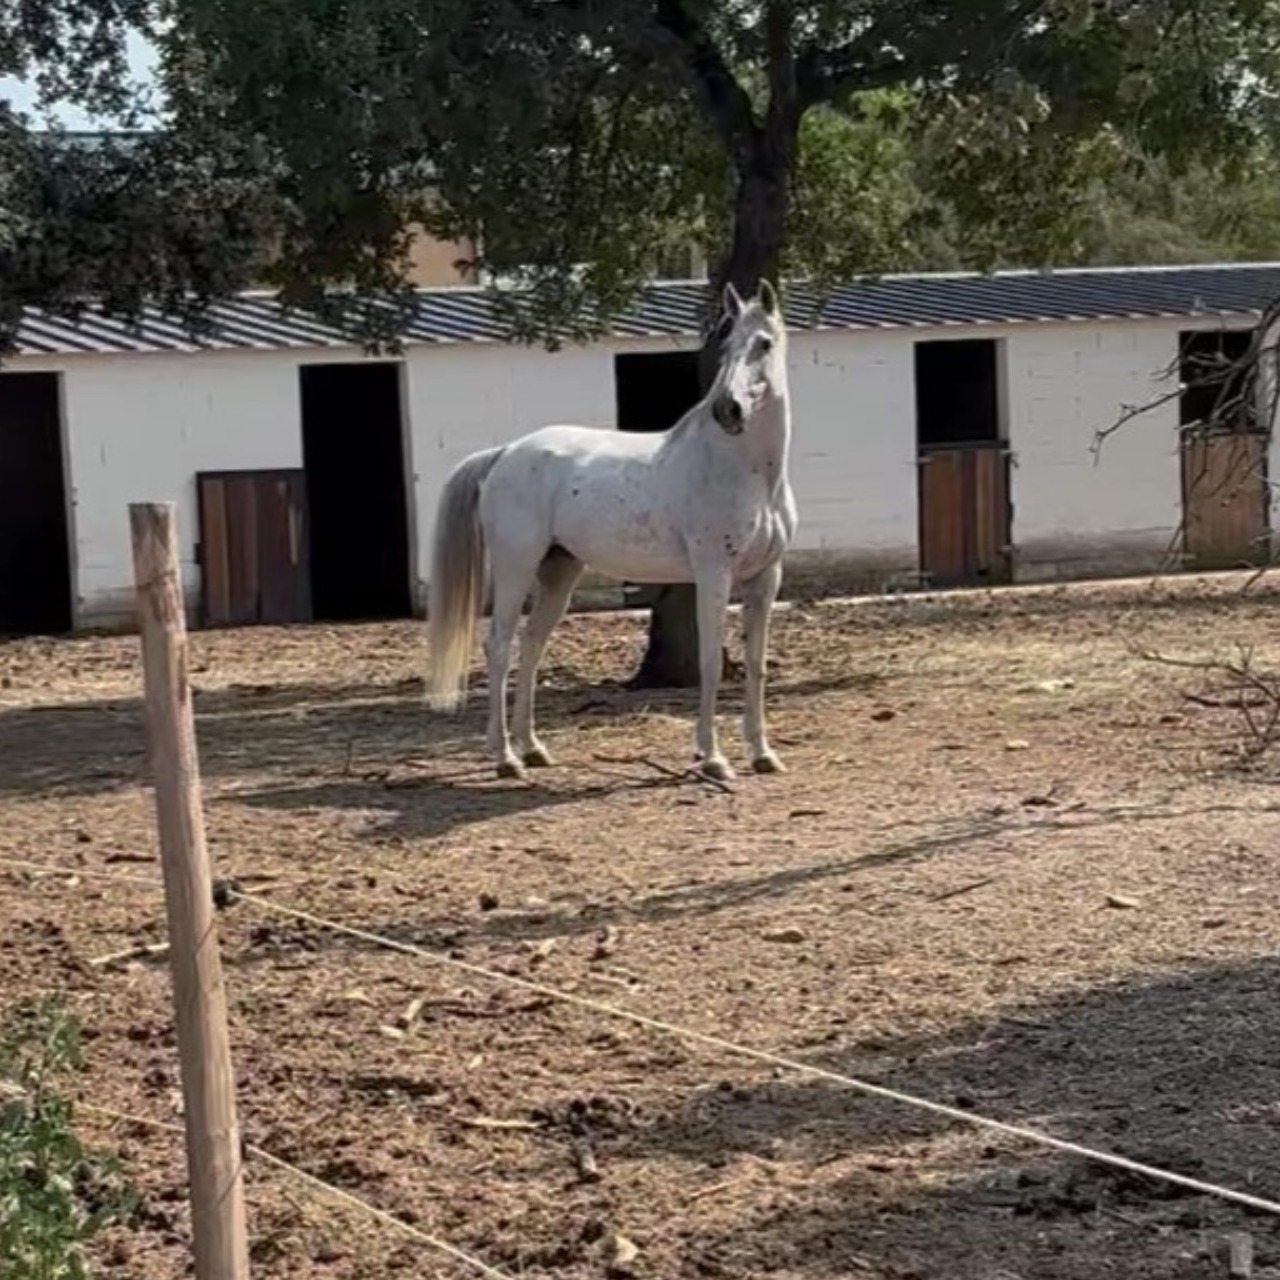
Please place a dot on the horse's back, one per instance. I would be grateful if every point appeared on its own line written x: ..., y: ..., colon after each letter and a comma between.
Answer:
x: 581, y: 443
x: 593, y: 491
x: 555, y: 462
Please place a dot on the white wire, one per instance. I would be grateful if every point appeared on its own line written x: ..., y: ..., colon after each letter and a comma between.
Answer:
x: 776, y: 1060
x: 320, y: 1186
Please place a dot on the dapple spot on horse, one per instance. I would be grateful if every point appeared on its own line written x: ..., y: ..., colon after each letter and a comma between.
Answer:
x: 707, y: 501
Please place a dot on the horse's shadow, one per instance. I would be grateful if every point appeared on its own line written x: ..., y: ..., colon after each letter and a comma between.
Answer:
x: 956, y: 841
x: 415, y: 806
x: 90, y: 747
x: 345, y: 734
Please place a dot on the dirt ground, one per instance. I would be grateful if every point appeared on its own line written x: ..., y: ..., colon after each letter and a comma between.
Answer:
x: 1013, y: 867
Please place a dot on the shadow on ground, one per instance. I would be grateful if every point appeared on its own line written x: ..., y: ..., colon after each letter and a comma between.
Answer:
x: 87, y: 747
x: 419, y: 811
x: 345, y: 734
x: 1181, y: 1072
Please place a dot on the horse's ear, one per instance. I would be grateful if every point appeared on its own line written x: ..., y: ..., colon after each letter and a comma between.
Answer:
x: 733, y: 304
x: 769, y: 299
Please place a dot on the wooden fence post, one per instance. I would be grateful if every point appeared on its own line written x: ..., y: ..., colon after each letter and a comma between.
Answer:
x: 208, y: 1086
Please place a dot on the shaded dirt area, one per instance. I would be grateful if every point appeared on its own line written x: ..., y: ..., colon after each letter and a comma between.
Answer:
x: 1012, y: 867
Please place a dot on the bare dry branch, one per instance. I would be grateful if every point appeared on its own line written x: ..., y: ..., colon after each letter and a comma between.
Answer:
x: 1247, y: 388
x: 1245, y: 397
x: 1253, y: 694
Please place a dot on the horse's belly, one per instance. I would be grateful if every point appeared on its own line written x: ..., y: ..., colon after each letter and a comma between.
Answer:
x: 635, y: 546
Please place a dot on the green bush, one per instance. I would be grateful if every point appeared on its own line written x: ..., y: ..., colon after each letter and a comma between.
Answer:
x: 56, y: 1193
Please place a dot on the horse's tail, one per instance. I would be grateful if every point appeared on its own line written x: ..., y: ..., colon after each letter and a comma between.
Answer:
x: 456, y: 590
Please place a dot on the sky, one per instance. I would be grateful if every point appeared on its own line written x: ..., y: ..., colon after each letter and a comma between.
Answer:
x: 22, y: 95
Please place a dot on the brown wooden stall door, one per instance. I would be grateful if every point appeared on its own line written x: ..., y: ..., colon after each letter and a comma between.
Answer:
x: 1224, y: 499
x: 964, y: 515
x: 253, y: 548
x: 943, y: 554
x: 991, y: 515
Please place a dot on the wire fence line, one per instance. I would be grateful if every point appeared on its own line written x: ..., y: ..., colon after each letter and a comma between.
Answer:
x: 883, y: 1092
x: 317, y: 1185
x: 152, y: 883
x: 604, y: 1008
x: 321, y: 1187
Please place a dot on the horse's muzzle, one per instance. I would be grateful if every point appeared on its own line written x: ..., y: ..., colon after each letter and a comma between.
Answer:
x: 728, y: 413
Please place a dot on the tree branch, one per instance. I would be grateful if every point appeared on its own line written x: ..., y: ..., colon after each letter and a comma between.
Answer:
x: 722, y: 97
x: 1248, y: 387
x: 1246, y: 690
x: 826, y: 75
x: 915, y: 42
x: 780, y: 66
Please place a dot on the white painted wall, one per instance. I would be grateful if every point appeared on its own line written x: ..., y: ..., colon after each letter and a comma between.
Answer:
x: 138, y: 428
x: 1121, y: 510
x: 1072, y: 509
x: 853, y: 463
x: 1268, y: 406
x: 853, y: 407
x: 464, y: 398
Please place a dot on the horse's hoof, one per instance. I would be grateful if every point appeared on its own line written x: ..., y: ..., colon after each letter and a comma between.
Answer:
x: 716, y: 768
x: 510, y: 769
x: 768, y: 763
x: 538, y: 758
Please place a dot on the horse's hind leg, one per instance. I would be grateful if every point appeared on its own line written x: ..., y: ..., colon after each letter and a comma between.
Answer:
x: 512, y: 579
x: 558, y: 574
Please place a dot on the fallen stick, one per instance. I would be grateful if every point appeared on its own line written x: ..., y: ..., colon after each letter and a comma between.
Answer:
x: 964, y: 888
x: 140, y: 951
x: 714, y: 1189
x: 584, y: 1160
x: 491, y: 1122
x: 678, y: 775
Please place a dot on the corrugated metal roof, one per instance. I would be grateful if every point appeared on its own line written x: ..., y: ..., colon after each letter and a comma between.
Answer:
x: 667, y: 309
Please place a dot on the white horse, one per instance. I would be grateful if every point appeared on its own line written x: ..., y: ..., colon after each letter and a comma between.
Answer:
x: 707, y: 501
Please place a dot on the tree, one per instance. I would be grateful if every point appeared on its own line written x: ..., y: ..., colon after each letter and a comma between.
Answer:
x: 577, y: 140
x: 131, y: 217
x: 574, y: 141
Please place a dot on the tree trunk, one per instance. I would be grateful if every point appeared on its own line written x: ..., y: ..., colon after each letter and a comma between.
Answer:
x: 671, y: 658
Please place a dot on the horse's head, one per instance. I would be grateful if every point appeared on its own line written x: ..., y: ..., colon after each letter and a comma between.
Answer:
x: 753, y: 358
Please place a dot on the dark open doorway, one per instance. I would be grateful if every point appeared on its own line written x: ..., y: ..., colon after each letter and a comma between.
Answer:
x: 957, y: 392
x: 35, y: 546
x: 965, y: 513
x: 357, y: 492
x: 1212, y: 393
x: 1226, y: 493
x: 654, y: 389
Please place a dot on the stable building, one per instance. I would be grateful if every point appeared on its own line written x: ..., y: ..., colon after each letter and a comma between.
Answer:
x: 944, y: 434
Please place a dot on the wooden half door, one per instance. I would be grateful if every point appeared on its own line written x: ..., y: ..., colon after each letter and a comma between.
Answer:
x: 1225, y: 499
x: 965, y: 516
x: 253, y: 548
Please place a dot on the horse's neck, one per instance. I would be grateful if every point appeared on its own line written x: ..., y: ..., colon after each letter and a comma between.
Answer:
x: 768, y: 442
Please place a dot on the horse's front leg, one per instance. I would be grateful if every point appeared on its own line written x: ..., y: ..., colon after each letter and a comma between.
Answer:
x: 758, y: 598
x: 713, y: 600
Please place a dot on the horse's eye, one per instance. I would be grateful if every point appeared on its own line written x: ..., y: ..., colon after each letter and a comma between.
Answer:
x: 766, y: 345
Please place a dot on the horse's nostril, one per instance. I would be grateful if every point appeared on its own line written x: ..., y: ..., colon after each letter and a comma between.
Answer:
x: 729, y: 413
